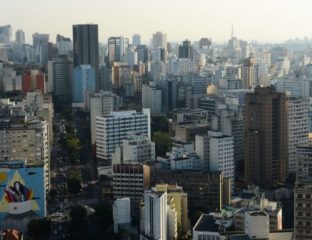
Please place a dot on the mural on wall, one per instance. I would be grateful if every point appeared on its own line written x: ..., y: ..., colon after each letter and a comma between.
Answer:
x: 22, y: 194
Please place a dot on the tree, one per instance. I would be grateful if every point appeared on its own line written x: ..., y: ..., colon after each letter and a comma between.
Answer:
x: 103, y: 215
x: 163, y: 143
x: 78, y: 215
x: 73, y: 146
x: 160, y: 124
x: 39, y: 229
x: 74, y: 181
x: 78, y: 228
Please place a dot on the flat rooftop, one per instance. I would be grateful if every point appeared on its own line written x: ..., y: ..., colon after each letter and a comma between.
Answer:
x: 206, y: 223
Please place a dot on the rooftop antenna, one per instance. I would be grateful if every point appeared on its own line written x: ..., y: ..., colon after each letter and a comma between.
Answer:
x: 232, y: 32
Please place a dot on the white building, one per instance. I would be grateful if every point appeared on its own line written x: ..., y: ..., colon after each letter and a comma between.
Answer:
x: 257, y: 225
x: 102, y: 104
x: 135, y: 148
x: 151, y: 98
x: 112, y: 129
x: 182, y: 66
x: 159, y: 40
x: 222, y: 154
x: 121, y: 212
x: 296, y: 87
x: 155, y: 215
x: 298, y: 128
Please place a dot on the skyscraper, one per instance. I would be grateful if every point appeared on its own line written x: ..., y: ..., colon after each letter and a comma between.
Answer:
x: 86, y: 47
x: 41, y: 46
x: 117, y: 47
x: 186, y: 50
x: 112, y: 129
x: 136, y: 39
x: 266, y: 137
x: 5, y: 34
x: 60, y: 79
x: 20, y: 37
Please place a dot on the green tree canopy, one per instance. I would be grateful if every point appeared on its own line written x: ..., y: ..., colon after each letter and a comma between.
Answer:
x: 163, y: 143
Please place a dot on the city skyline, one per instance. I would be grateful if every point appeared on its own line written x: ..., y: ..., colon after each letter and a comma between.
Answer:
x: 213, y: 19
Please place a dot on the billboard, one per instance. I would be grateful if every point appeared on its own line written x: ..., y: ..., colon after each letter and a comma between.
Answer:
x: 22, y: 194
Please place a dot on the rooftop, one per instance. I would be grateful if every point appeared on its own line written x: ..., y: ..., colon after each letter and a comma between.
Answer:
x: 206, y: 223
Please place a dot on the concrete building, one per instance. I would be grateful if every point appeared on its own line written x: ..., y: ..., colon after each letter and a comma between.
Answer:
x: 135, y: 148
x: 154, y: 218
x: 33, y: 80
x: 250, y: 73
x: 5, y: 34
x: 136, y: 39
x: 64, y: 45
x: 121, y: 212
x: 20, y: 37
x: 112, y: 129
x: 257, y: 224
x: 222, y: 155
x: 266, y: 137
x: 101, y: 104
x: 130, y: 180
x: 298, y: 128
x: 117, y: 47
x: 22, y: 138
x: 303, y: 211
x: 60, y: 74
x: 207, y: 191
x: 177, y: 199
x: 152, y: 98
x: 41, y: 46
x: 304, y: 164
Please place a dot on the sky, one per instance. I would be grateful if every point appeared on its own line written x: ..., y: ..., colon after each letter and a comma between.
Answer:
x: 261, y: 20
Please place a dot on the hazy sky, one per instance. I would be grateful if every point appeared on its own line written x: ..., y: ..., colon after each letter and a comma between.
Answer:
x: 262, y: 20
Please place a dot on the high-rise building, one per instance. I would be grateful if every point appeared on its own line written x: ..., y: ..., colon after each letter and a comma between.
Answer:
x: 298, y: 128
x: 204, y: 43
x: 5, y: 34
x: 186, y: 50
x: 303, y: 193
x: 151, y: 98
x: 266, y: 137
x: 41, y: 46
x: 250, y: 73
x: 159, y: 40
x: 155, y: 215
x: 207, y: 191
x: 178, y: 200
x: 136, y: 39
x: 102, y: 104
x: 117, y: 47
x: 20, y: 37
x: 86, y: 47
x: 83, y: 83
x: 23, y: 138
x: 33, y: 80
x: 135, y: 148
x: 130, y: 180
x: 64, y: 45
x: 60, y: 73
x: 222, y: 155
x: 112, y: 129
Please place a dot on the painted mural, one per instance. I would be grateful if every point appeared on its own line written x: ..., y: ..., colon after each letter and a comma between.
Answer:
x: 22, y: 194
